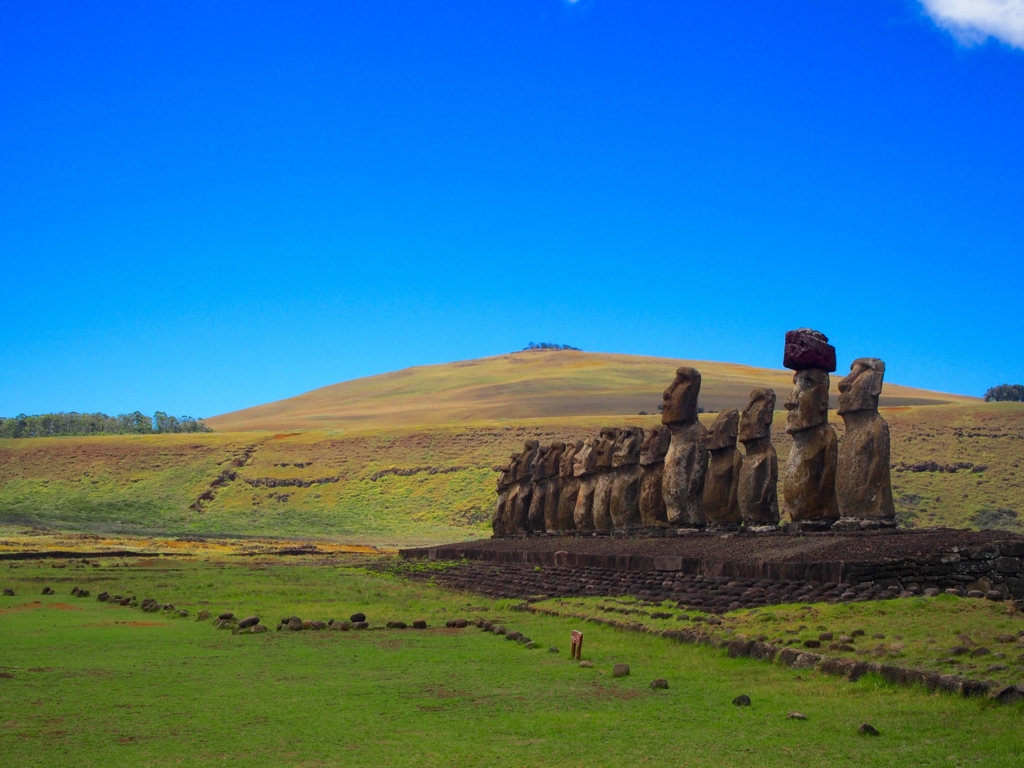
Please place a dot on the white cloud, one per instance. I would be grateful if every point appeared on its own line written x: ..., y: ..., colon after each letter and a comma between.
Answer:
x: 972, y: 21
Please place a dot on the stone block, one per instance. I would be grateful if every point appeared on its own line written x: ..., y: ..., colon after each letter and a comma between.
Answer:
x: 668, y: 563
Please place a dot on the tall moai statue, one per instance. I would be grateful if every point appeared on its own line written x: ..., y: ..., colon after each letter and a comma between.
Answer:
x: 583, y: 469
x: 535, y: 515
x: 652, y: 467
x: 686, y: 462
x: 759, y: 478
x: 551, y: 486
x: 721, y: 506
x: 603, y: 453
x: 626, y: 473
x: 808, y: 483
x: 522, y: 489
x: 570, y: 487
x: 863, y: 485
x: 499, y: 521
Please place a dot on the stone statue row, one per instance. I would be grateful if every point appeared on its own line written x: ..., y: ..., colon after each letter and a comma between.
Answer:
x: 680, y: 475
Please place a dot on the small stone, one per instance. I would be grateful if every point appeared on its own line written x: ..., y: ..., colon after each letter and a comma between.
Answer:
x: 513, y: 635
x: 226, y: 616
x: 396, y: 625
x: 742, y: 701
x: 825, y: 636
x: 361, y: 625
x: 1005, y: 639
x: 878, y: 636
x: 420, y: 624
x: 796, y: 716
x: 552, y: 649
x: 355, y: 618
x: 983, y: 651
x: 183, y: 614
x: 203, y: 616
x: 586, y: 664
x: 994, y: 594
x: 857, y: 633
x: 975, y: 593
x: 10, y: 592
x: 620, y: 670
x: 867, y: 729
x: 48, y: 591
x: 931, y: 592
x: 295, y: 624
x: 249, y: 621
x: 531, y: 645
x: 258, y: 629
x: 461, y: 624
x: 812, y: 644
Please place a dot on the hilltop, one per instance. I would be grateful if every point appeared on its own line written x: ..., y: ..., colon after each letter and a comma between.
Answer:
x: 525, y: 385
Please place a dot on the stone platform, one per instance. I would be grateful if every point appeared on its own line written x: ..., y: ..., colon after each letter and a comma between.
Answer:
x: 716, y: 572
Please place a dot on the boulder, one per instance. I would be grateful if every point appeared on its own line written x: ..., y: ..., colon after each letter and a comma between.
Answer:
x: 249, y: 621
x: 419, y: 624
x: 355, y: 618
x: 620, y: 670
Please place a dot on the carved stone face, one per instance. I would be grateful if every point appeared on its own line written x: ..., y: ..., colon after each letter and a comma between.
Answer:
x: 655, y: 445
x: 808, y: 405
x: 627, y: 447
x: 568, y: 459
x: 757, y: 416
x: 583, y: 463
x: 860, y: 389
x: 680, y: 399
x: 605, y: 447
x: 724, y: 430
x: 527, y: 459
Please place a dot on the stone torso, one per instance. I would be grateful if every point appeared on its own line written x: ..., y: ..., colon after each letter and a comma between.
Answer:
x: 758, y: 485
x: 863, y: 488
x: 808, y: 483
x: 683, y: 480
x: 721, y: 506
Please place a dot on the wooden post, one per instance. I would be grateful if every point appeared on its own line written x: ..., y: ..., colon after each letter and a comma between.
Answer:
x: 576, y: 649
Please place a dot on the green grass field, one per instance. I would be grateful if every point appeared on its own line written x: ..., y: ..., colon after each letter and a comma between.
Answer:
x: 88, y: 683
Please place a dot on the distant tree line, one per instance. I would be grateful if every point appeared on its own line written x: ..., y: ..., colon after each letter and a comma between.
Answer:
x: 65, y: 424
x: 546, y: 345
x: 1011, y: 392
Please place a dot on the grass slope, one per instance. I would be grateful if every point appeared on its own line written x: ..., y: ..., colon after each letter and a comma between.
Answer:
x: 437, y: 482
x: 536, y: 384
x: 86, y: 683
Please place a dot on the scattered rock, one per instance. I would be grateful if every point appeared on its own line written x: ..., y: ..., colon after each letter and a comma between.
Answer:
x: 857, y: 633
x: 498, y: 630
x: 461, y: 624
x: 249, y: 621
x: 361, y: 625
x: 796, y: 716
x: 975, y: 593
x: 226, y: 616
x: 552, y: 649
x: 983, y: 651
x: 294, y: 623
x: 931, y: 592
x: 825, y: 636
x: 1005, y: 639
x: 742, y: 701
x: 356, y: 618
x: 660, y: 684
x: 867, y: 729
x: 257, y: 629
x: 420, y: 624
x: 620, y: 670
x: 183, y: 614
x: 586, y: 664
x: 994, y: 594
x: 513, y: 635
x: 812, y: 644
x: 396, y: 625
x: 47, y: 591
x: 203, y: 616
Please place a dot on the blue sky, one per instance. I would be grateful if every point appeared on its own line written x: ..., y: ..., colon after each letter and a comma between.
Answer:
x: 209, y: 206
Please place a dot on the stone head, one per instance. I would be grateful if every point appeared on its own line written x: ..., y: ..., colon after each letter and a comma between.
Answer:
x: 605, y: 447
x: 627, y: 447
x: 553, y: 458
x: 568, y: 458
x: 724, y: 429
x: 680, y: 399
x: 655, y: 445
x: 505, y: 475
x: 585, y: 459
x: 757, y: 416
x: 860, y: 389
x: 527, y: 459
x: 808, y: 405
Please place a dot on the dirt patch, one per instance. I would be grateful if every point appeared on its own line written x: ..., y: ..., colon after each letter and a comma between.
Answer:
x: 605, y: 692
x: 37, y: 605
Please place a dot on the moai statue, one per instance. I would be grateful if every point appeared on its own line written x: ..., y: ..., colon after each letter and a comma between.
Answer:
x: 863, y: 486
x: 721, y: 507
x: 551, y: 487
x: 522, y: 491
x: 500, y: 519
x: 603, y: 452
x: 652, y: 465
x: 758, y: 491
x: 808, y: 483
x: 570, y: 487
x: 686, y: 462
x: 626, y: 473
x: 535, y: 514
x: 583, y: 469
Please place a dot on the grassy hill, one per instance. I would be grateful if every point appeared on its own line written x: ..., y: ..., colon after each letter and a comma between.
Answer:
x: 534, y: 384
x: 416, y: 462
